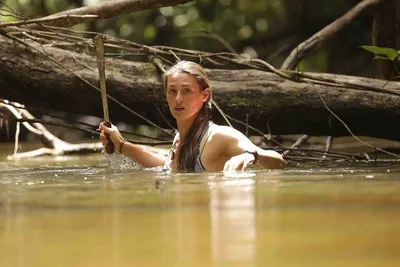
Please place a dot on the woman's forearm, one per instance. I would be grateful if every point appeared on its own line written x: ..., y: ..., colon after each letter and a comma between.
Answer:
x: 270, y: 159
x: 142, y: 156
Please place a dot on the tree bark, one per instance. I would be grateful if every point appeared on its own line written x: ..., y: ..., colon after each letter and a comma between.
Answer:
x: 272, y: 102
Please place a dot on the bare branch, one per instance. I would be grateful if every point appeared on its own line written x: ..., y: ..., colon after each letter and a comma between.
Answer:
x: 110, y: 9
x: 63, y: 18
x: 296, y: 144
x: 318, y: 39
x: 328, y: 146
x: 215, y: 37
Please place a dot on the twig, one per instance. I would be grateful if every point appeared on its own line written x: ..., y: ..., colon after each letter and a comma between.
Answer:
x: 17, y: 114
x: 80, y: 18
x: 213, y: 36
x: 111, y: 9
x: 313, y: 79
x: 348, y: 129
x: 328, y: 145
x: 296, y: 144
x: 17, y: 130
x: 221, y: 112
x: 176, y: 57
x: 319, y: 152
x: 264, y: 135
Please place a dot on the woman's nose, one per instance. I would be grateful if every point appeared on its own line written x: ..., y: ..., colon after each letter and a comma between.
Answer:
x: 179, y: 97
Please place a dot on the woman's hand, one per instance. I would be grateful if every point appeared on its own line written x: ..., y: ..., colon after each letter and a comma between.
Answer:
x: 240, y: 162
x: 114, y: 133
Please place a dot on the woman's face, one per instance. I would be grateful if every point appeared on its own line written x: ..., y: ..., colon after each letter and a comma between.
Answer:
x: 184, y: 96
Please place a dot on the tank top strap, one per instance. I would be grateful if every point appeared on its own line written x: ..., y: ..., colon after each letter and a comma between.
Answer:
x: 198, y: 164
x: 167, y: 163
x: 175, y: 140
x: 203, y: 132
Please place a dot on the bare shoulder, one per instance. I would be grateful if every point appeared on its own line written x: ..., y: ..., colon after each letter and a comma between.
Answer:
x: 222, y: 131
x: 220, y: 136
x: 228, y: 138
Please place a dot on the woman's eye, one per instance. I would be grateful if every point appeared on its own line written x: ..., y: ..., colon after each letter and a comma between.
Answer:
x: 187, y: 90
x: 172, y: 91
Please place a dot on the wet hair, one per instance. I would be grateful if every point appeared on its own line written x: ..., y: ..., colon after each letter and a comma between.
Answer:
x: 187, y: 147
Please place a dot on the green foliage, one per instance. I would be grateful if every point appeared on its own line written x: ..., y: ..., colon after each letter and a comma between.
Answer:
x: 318, y: 61
x: 381, y: 52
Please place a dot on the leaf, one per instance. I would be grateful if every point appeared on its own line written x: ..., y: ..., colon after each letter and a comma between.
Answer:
x: 381, y: 57
x: 386, y: 52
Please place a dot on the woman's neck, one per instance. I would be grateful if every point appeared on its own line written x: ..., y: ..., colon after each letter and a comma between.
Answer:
x: 184, y: 127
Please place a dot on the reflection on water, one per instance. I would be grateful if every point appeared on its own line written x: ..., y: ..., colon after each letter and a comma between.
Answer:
x: 77, y: 212
x: 233, y: 229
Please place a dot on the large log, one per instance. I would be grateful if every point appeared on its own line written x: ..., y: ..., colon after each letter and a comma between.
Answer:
x: 269, y: 101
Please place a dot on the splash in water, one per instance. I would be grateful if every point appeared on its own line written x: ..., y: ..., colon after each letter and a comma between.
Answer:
x: 120, y: 161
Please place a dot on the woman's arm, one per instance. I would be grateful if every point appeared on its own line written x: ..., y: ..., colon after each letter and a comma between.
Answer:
x: 138, y: 153
x: 243, y: 152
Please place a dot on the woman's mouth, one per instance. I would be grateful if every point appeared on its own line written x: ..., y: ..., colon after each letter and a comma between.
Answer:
x: 179, y: 109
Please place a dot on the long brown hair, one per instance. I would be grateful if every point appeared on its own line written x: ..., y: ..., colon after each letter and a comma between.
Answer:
x: 187, y: 147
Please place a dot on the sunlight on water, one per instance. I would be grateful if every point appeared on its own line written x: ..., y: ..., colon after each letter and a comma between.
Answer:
x: 78, y: 211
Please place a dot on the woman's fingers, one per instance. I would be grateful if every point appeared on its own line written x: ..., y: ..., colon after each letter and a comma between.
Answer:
x: 106, y: 129
x: 234, y: 164
x: 246, y: 164
x: 238, y: 163
x: 113, y: 133
x: 103, y: 138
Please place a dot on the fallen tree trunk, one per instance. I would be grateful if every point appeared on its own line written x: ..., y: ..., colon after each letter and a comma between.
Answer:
x: 266, y: 99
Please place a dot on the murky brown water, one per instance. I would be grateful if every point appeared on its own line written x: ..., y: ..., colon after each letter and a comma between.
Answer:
x: 74, y: 211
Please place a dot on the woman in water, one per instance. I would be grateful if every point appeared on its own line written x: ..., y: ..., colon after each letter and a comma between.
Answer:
x: 199, y: 145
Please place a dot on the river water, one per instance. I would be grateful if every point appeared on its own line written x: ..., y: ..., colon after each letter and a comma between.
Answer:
x: 76, y: 211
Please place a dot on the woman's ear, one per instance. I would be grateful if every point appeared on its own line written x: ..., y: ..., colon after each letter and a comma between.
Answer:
x: 206, y: 94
